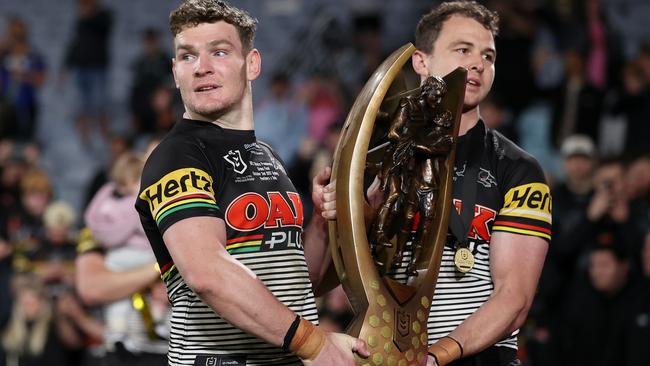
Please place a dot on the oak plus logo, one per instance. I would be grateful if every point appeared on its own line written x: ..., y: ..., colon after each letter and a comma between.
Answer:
x: 251, y: 211
x: 281, y: 217
x: 234, y: 158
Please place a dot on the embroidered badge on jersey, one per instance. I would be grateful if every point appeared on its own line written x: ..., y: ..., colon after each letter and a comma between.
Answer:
x: 234, y: 158
x: 255, y: 164
x: 486, y: 179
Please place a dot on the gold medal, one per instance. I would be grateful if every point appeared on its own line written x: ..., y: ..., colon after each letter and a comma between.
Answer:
x: 464, y: 260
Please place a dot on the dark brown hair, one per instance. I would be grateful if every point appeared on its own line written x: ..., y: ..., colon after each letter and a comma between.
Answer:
x: 430, y: 25
x: 194, y: 12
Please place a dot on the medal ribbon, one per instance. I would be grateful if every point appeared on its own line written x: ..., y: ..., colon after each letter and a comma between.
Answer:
x: 460, y: 224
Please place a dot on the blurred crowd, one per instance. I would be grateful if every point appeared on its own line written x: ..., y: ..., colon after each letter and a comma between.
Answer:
x: 565, y: 91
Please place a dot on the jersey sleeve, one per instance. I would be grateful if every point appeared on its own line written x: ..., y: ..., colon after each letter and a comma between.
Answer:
x: 86, y: 243
x: 527, y: 201
x: 177, y: 184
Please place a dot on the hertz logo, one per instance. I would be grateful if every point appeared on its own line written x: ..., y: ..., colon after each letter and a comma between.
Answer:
x: 531, y: 200
x: 190, y: 183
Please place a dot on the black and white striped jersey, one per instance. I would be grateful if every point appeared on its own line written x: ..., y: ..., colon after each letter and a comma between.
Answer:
x: 200, y: 169
x: 512, y: 196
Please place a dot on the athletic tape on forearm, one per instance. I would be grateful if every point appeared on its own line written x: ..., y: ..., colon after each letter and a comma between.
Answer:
x: 446, y: 350
x: 308, y: 341
x: 291, y: 332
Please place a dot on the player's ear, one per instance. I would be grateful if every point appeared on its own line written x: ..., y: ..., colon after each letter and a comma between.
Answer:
x: 253, y: 64
x: 420, y: 61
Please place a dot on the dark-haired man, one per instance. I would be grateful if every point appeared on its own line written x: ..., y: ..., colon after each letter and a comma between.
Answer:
x: 491, y: 264
x: 476, y: 313
x: 223, y: 218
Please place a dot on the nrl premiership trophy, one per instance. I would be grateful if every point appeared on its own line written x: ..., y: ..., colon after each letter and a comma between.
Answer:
x: 387, y: 257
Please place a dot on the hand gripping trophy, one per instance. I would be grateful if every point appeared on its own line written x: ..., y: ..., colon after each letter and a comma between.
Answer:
x: 387, y: 258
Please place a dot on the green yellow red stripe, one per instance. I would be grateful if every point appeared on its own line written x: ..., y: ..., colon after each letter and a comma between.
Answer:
x: 522, y: 231
x: 244, y: 244
x: 244, y: 250
x: 523, y: 226
x: 165, y: 276
x: 245, y: 238
x: 185, y: 206
x: 165, y: 267
x: 191, y: 197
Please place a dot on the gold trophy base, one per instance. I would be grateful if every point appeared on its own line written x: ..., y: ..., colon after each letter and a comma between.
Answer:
x: 395, y: 335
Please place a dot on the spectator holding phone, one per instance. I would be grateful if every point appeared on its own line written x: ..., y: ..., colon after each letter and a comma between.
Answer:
x: 611, y: 217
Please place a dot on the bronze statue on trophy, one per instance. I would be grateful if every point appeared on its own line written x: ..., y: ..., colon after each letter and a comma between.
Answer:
x: 421, y: 137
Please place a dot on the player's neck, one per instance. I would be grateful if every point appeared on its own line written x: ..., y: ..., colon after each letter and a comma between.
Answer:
x: 468, y: 120
x: 238, y: 117
x: 241, y: 117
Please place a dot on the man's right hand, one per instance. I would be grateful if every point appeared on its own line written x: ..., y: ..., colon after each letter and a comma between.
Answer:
x: 339, y: 349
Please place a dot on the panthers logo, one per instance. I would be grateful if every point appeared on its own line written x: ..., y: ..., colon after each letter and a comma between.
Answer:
x: 234, y: 158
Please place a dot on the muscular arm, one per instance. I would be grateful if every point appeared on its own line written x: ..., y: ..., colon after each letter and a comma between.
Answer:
x: 516, y: 262
x: 234, y: 292
x: 97, y: 284
x: 316, y: 239
x: 317, y: 253
x: 197, y: 247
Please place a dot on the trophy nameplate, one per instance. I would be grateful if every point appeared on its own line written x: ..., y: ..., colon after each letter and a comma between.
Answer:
x: 390, y: 314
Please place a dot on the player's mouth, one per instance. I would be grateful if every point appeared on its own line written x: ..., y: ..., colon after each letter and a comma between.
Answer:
x: 473, y: 82
x: 203, y: 88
